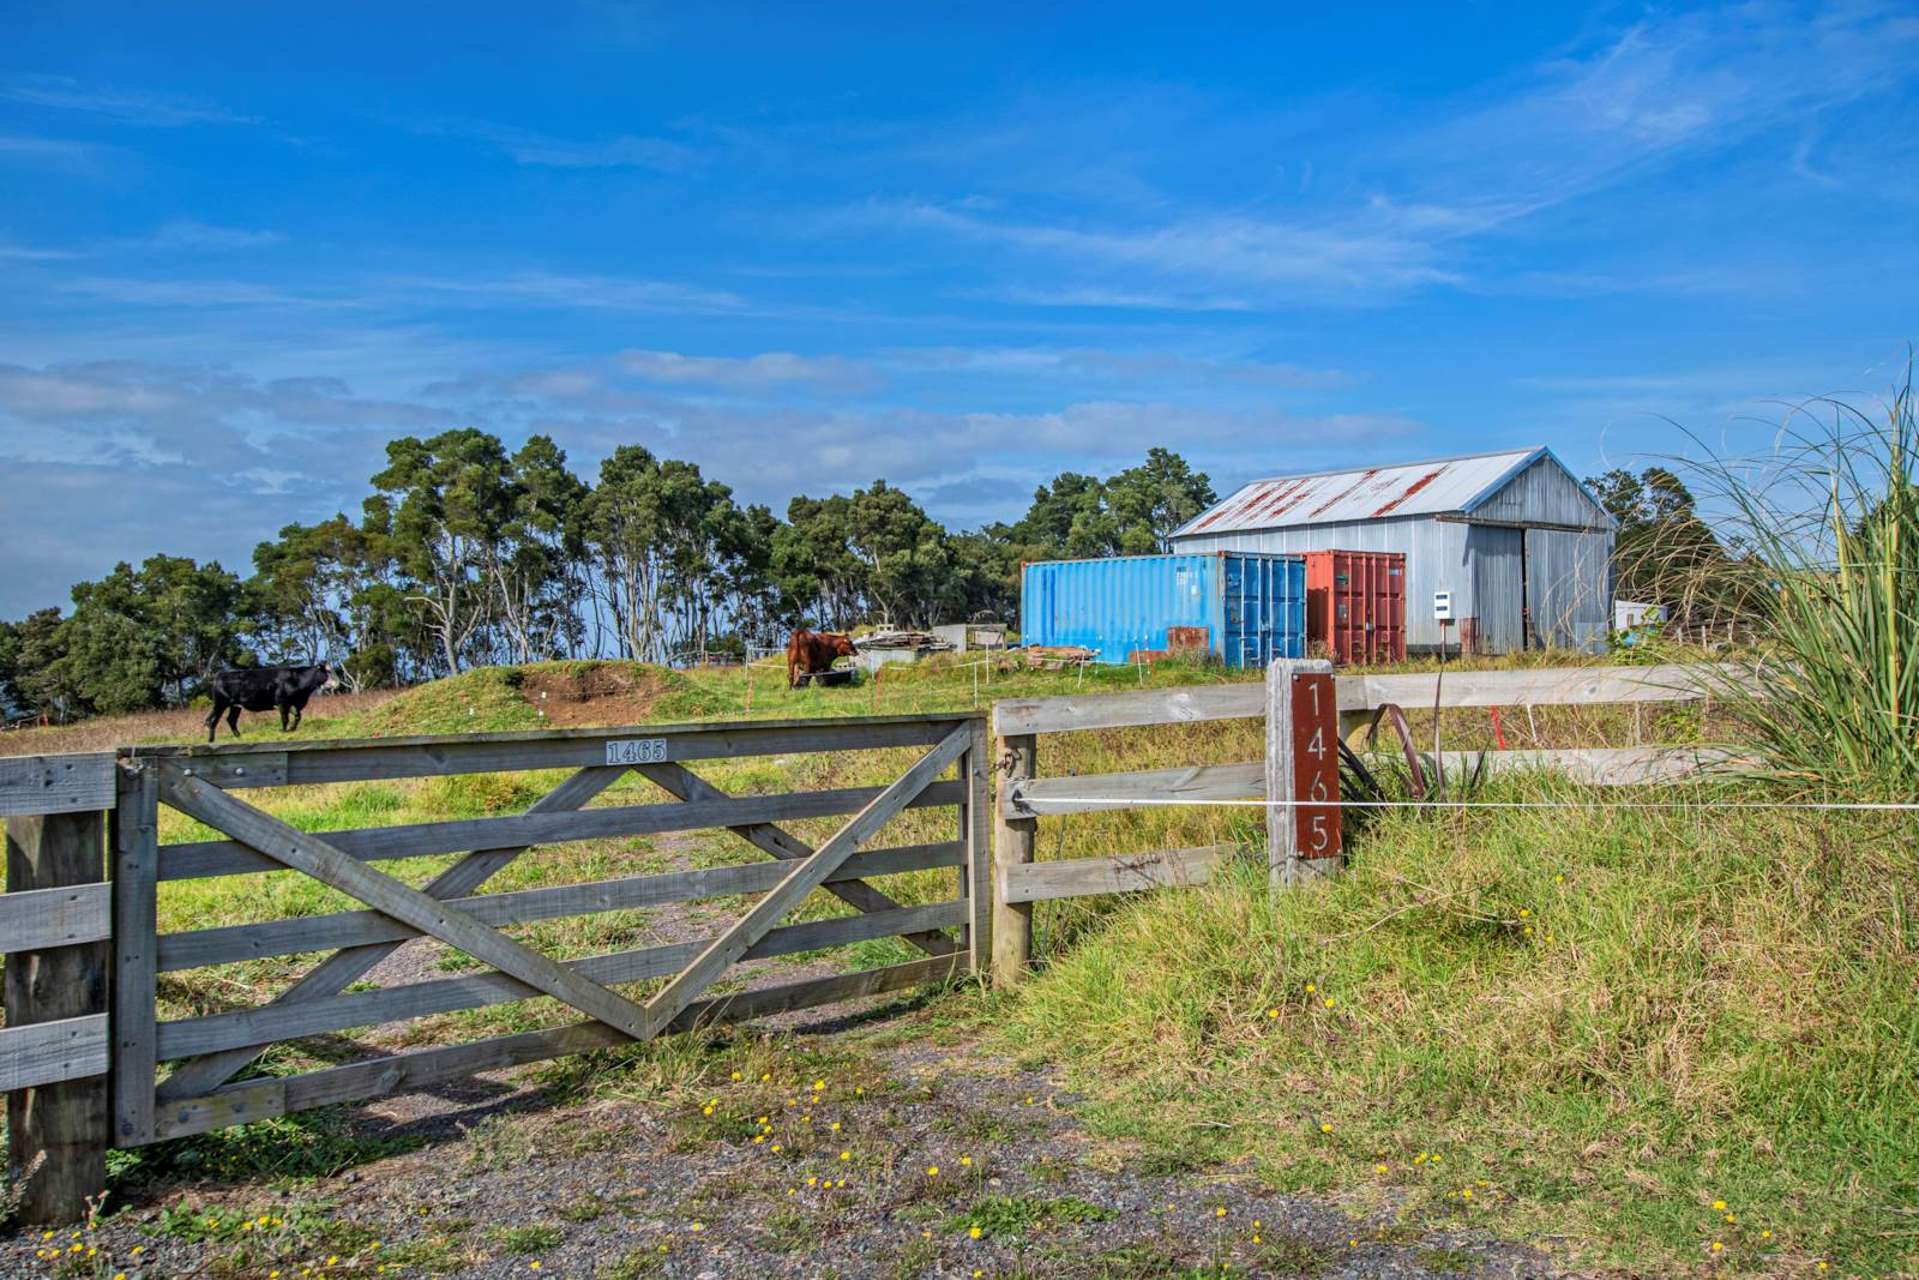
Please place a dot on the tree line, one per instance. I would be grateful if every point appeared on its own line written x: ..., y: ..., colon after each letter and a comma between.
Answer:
x: 467, y: 553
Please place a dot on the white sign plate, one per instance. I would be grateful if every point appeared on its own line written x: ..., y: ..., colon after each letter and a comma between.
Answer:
x: 636, y: 751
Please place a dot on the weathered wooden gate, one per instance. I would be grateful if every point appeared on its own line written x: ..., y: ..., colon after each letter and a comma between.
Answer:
x: 199, y: 1093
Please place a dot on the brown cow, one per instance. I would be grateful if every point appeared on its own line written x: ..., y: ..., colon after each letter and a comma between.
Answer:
x: 811, y: 652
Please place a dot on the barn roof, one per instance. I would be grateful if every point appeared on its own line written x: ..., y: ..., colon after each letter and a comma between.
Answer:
x: 1440, y: 486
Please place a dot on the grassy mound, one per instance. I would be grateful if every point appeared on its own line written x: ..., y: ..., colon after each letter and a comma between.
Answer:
x: 1565, y: 1024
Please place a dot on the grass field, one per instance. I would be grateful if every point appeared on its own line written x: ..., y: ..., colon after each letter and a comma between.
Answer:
x: 1578, y: 1026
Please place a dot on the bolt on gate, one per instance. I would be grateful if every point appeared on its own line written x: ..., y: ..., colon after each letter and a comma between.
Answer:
x: 200, y: 1092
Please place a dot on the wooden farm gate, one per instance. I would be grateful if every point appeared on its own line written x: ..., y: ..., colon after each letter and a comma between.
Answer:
x: 138, y: 1105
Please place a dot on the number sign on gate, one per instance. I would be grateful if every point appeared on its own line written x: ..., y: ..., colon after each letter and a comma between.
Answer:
x: 636, y: 751
x: 1315, y: 767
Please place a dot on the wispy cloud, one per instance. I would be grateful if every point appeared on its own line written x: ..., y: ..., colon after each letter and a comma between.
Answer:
x: 1408, y: 209
x: 1094, y: 363
x: 185, y: 233
x: 196, y: 293
x: 131, y: 106
x: 623, y: 151
x: 612, y: 293
x: 64, y: 151
x: 770, y: 368
x: 13, y: 250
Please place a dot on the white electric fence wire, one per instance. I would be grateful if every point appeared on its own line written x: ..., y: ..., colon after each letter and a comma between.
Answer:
x: 1175, y: 801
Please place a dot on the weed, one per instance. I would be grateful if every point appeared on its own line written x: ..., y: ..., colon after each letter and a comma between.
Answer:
x: 528, y: 1239
x: 1452, y: 1262
x: 1009, y: 1216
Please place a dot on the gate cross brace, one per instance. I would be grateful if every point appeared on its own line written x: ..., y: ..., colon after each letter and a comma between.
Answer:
x: 782, y: 844
x: 320, y: 860
x: 345, y: 967
x: 807, y: 875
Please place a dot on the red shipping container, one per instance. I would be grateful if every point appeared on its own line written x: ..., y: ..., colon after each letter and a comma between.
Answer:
x: 1356, y: 604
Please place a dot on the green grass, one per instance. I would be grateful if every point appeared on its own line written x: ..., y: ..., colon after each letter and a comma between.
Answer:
x: 1595, y: 1021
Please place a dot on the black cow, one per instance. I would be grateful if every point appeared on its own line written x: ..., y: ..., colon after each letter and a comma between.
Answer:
x: 265, y: 689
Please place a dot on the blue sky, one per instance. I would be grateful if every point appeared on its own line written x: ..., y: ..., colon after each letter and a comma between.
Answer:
x: 241, y: 247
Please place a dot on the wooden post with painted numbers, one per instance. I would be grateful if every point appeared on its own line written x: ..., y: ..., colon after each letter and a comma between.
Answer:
x: 1302, y: 772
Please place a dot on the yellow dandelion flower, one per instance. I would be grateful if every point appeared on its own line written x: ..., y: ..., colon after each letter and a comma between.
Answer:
x: 1330, y: 1002
x: 1719, y: 1204
x: 1379, y: 1168
x: 966, y: 1162
x: 1717, y: 1246
x: 846, y: 1155
x: 1255, y: 1237
x: 1765, y: 1235
x: 1466, y: 1193
x: 975, y: 1233
x: 1730, y: 1218
x: 1220, y: 1212
x: 1524, y: 912
x: 1310, y: 988
x: 836, y: 1126
x: 1272, y: 1013
x: 697, y: 1226
x: 533, y: 1265
x: 813, y: 1181
x: 932, y: 1171
x: 758, y: 1138
x: 738, y: 1076
x: 775, y: 1147
x: 1325, y: 1126
x: 818, y: 1085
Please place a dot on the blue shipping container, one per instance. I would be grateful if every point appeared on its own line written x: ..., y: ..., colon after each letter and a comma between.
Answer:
x: 1252, y: 606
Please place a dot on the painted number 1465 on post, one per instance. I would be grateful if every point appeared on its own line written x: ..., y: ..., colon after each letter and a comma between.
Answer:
x: 1315, y: 767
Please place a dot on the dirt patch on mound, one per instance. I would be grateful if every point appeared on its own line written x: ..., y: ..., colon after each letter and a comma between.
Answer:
x: 596, y: 694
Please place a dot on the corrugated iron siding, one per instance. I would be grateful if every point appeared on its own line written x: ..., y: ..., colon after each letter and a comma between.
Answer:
x: 1568, y: 585
x: 1435, y: 552
x: 1542, y: 494
x: 1253, y: 606
x: 1497, y: 605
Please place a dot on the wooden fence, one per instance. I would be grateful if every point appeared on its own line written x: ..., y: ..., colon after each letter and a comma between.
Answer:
x: 1025, y: 795
x: 83, y: 1050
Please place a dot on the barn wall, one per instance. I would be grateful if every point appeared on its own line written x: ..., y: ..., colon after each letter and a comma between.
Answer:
x: 1435, y: 554
x: 1568, y: 587
x: 1542, y: 494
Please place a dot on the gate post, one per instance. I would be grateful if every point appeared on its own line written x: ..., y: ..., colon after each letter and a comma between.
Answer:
x: 57, y: 1133
x: 1015, y: 759
x: 1302, y: 766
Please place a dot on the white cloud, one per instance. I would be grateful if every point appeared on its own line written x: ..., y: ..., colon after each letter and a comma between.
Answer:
x: 613, y: 293
x: 195, y: 293
x: 767, y: 369
x: 185, y: 233
x: 133, y: 106
x: 623, y: 151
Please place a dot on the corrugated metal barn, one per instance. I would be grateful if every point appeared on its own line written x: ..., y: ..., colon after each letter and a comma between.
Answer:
x: 1525, y: 550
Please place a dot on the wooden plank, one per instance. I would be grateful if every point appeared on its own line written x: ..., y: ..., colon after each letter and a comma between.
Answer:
x: 57, y: 1123
x: 375, y: 844
x: 231, y: 943
x: 247, y: 1028
x: 1608, y: 766
x: 976, y: 819
x: 1100, y: 792
x: 680, y: 781
x: 44, y: 1053
x: 806, y: 876
x: 37, y: 918
x: 323, y: 761
x: 1016, y: 757
x: 1539, y: 686
x: 263, y: 1099
x: 1120, y: 873
x: 341, y: 970
x: 1021, y: 716
x: 1286, y: 868
x: 56, y: 784
x: 136, y: 835
x: 329, y: 866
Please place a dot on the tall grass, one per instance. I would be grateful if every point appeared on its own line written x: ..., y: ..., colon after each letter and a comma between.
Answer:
x: 1825, y: 531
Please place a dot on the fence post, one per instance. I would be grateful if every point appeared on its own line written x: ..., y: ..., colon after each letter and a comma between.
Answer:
x: 1288, y: 864
x: 1015, y: 759
x: 57, y: 1133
